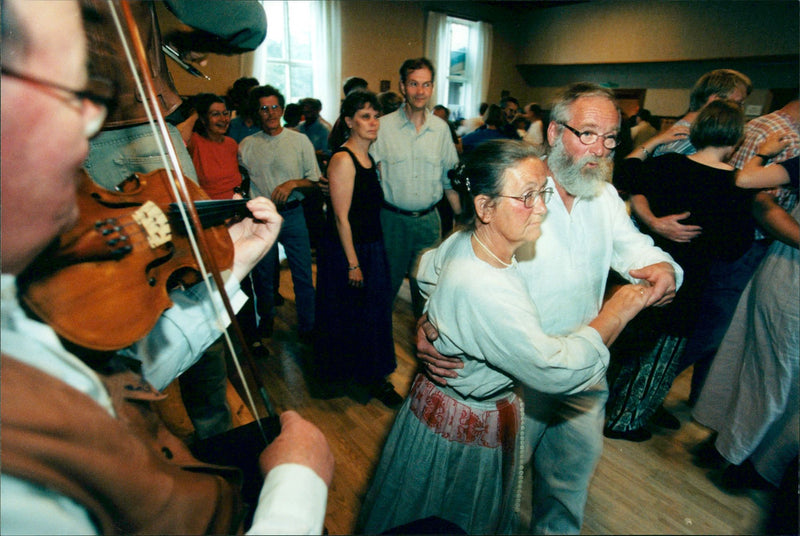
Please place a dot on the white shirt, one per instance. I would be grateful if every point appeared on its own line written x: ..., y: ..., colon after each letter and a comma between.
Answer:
x: 273, y: 160
x: 534, y: 135
x: 567, y: 275
x: 486, y: 316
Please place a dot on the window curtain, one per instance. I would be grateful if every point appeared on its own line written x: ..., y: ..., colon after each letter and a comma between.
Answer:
x: 479, y: 64
x: 256, y: 63
x: 483, y: 67
x: 325, y: 28
x: 437, y: 50
x: 327, y: 56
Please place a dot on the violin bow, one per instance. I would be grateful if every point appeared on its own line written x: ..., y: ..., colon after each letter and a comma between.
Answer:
x: 187, y: 209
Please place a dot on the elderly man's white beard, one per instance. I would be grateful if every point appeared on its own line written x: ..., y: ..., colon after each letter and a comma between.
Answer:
x: 577, y: 179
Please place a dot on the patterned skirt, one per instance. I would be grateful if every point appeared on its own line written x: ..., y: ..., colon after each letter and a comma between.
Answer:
x: 446, y: 457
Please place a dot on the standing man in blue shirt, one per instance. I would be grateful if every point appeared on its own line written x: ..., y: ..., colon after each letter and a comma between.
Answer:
x: 414, y: 152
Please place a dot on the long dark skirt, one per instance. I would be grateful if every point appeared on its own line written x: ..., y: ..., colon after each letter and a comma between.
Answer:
x: 354, y: 325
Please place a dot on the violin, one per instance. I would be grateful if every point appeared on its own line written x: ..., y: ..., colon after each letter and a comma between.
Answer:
x: 113, y: 271
x: 128, y: 250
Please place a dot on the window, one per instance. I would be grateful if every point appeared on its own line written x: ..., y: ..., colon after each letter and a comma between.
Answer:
x: 457, y: 78
x: 461, y: 51
x: 299, y: 56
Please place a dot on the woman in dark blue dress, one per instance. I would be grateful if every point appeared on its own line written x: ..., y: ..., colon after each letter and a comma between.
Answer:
x: 354, y: 346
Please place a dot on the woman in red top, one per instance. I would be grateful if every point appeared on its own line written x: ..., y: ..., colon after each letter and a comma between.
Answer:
x: 213, y: 153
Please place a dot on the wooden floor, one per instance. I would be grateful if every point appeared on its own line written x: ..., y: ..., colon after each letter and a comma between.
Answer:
x: 638, y: 488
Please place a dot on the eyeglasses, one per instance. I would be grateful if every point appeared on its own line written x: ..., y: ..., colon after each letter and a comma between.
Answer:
x: 100, y: 92
x: 587, y: 138
x: 529, y: 198
x: 217, y: 113
x: 271, y: 108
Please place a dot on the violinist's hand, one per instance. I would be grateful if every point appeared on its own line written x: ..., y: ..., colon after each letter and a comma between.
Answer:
x: 299, y: 442
x: 252, y: 238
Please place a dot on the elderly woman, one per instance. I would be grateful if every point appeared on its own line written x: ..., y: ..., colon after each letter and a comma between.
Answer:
x: 454, y: 452
x: 354, y: 346
x: 213, y: 153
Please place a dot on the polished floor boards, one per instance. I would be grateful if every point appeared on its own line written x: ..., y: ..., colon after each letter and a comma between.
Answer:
x: 638, y: 488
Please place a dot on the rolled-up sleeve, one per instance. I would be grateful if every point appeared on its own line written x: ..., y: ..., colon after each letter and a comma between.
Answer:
x: 184, y: 331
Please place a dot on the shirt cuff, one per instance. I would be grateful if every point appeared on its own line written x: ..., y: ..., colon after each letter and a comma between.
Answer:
x: 292, y: 501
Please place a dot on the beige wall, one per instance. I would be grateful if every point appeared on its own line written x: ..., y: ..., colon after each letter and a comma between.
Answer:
x: 504, y: 71
x: 611, y: 31
x: 378, y: 36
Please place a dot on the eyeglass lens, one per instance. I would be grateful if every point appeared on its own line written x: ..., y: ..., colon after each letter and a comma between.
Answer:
x: 588, y: 138
x: 530, y: 198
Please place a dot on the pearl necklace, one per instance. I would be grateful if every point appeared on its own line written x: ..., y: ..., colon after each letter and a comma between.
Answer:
x: 489, y: 251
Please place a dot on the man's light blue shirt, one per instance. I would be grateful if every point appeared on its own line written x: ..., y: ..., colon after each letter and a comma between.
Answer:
x: 414, y: 165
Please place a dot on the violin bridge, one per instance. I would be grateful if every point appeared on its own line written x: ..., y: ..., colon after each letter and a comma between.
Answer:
x: 154, y: 222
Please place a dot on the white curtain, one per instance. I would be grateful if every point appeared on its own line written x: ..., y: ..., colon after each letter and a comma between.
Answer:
x: 483, y: 65
x: 437, y: 50
x: 327, y: 51
x: 479, y: 63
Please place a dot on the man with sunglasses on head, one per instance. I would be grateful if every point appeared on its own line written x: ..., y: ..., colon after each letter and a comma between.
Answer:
x: 82, y: 451
x: 280, y: 162
x: 586, y: 233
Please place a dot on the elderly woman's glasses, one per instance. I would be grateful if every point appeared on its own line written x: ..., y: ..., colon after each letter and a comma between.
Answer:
x: 587, y: 138
x: 529, y: 198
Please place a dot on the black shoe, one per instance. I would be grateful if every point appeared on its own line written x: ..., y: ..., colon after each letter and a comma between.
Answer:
x: 706, y: 456
x: 738, y: 479
x: 384, y: 391
x: 665, y: 419
x: 358, y: 392
x: 637, y: 436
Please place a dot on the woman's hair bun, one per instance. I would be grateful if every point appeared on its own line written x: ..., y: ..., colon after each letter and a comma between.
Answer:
x: 459, y: 179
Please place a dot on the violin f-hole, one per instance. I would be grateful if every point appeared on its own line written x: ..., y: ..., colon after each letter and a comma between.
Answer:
x: 152, y: 265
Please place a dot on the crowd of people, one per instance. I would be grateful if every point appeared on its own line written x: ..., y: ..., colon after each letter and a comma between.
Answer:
x: 552, y: 315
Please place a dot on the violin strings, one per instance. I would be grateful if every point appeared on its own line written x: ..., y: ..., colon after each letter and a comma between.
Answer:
x: 173, y: 156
